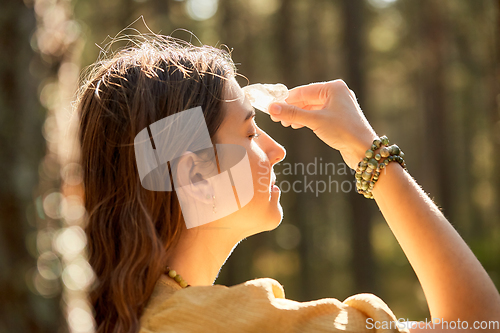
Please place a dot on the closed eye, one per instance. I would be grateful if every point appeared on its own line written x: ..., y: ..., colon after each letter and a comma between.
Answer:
x: 254, y: 136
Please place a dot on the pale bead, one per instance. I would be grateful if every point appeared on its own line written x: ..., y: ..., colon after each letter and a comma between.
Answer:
x: 384, y: 152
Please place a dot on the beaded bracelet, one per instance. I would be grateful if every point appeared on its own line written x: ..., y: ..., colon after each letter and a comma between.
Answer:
x: 368, y: 170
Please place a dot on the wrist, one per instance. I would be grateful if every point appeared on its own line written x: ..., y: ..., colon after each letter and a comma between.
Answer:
x: 358, y: 149
x: 377, y: 157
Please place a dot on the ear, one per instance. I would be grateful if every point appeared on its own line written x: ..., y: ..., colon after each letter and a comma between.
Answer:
x: 193, y: 175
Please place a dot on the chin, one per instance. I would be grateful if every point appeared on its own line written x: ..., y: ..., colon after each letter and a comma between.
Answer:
x: 266, y: 222
x: 262, y: 214
x: 275, y: 219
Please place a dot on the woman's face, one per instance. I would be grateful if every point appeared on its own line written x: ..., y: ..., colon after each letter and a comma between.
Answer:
x: 264, y: 211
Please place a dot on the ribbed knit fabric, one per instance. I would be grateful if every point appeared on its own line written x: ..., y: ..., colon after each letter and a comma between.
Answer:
x: 259, y: 306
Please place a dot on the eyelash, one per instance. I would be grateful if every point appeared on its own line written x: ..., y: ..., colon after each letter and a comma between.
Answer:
x: 252, y: 136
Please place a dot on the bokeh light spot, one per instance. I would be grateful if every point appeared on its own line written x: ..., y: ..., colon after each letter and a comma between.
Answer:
x: 201, y: 10
x: 52, y: 205
x: 288, y: 236
x: 72, y: 208
x: 78, y: 275
x: 70, y: 241
x: 80, y: 320
x: 381, y: 3
x: 49, y: 265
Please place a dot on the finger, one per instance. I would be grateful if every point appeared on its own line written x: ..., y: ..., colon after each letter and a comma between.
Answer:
x: 353, y: 94
x: 276, y: 120
x: 312, y: 107
x: 293, y: 115
x: 315, y: 96
x: 314, y: 93
x: 308, y: 106
x: 297, y: 126
x: 284, y: 123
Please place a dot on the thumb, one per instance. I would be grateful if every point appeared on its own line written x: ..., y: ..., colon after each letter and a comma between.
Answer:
x: 291, y: 114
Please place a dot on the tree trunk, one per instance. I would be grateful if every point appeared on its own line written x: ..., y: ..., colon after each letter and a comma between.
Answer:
x: 361, y: 208
x: 436, y: 138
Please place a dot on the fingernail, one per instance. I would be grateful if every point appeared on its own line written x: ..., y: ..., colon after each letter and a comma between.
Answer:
x: 275, y: 109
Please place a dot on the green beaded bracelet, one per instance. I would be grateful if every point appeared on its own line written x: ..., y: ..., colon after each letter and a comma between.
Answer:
x: 369, y: 168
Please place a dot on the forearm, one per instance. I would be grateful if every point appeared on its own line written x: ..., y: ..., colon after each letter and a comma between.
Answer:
x: 454, y: 282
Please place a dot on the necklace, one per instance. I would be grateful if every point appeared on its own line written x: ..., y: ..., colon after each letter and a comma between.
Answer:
x: 173, y: 274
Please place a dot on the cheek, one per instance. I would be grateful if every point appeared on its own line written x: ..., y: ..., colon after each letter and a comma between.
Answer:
x: 261, y: 171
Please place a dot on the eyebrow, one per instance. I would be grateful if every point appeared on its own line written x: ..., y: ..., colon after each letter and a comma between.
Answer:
x: 249, y: 115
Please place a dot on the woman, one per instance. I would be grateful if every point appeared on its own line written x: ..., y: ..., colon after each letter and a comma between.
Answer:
x: 134, y: 234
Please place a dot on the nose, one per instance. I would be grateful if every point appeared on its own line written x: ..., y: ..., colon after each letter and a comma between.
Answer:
x: 275, y: 152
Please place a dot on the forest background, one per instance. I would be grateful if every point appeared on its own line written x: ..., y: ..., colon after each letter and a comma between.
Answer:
x: 426, y: 73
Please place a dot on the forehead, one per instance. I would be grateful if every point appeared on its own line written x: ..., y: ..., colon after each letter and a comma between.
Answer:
x: 236, y: 103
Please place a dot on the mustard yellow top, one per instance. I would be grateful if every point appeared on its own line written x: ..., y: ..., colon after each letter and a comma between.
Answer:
x: 259, y: 306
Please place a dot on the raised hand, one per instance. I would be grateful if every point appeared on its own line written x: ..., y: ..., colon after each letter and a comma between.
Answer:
x: 331, y: 111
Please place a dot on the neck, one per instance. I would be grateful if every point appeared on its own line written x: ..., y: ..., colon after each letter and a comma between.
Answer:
x: 200, y: 254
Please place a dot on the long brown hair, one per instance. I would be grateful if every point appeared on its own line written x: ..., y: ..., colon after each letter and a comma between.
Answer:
x: 130, y: 229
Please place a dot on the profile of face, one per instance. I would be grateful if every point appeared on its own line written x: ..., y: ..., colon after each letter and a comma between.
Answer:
x: 263, y: 212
